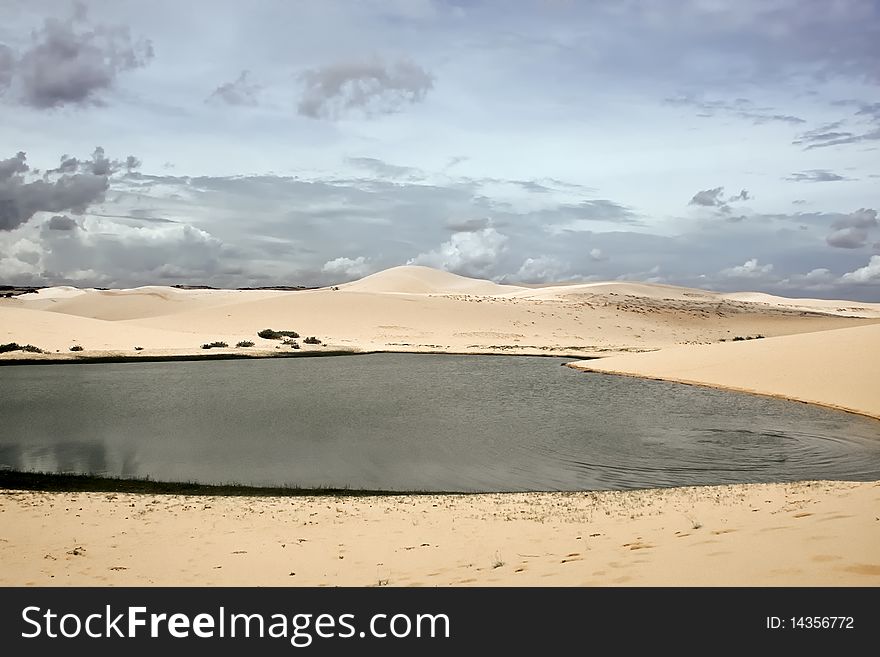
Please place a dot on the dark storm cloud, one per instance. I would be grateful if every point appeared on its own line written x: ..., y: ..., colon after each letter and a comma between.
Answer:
x: 72, y: 62
x: 62, y: 222
x: 73, y: 187
x: 815, y: 175
x: 740, y: 107
x: 373, y: 87
x: 238, y: 92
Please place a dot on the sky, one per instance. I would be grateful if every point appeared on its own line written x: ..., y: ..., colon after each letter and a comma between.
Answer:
x: 707, y: 143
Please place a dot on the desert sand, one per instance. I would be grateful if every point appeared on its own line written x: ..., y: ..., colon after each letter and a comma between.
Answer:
x: 814, y: 533
x: 817, y: 351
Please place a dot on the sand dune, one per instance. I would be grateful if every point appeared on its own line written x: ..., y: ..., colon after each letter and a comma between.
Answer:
x: 838, y: 368
x: 414, y: 279
x: 420, y: 309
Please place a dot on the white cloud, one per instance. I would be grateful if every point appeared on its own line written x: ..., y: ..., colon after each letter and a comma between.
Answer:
x: 596, y: 255
x: 470, y: 254
x: 749, y: 269
x: 348, y: 268
x: 867, y: 274
x: 543, y: 269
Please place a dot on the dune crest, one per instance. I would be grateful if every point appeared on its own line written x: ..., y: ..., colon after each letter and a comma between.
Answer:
x: 416, y: 279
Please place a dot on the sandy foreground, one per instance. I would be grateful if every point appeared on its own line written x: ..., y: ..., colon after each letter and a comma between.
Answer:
x: 819, y: 533
x: 814, y: 533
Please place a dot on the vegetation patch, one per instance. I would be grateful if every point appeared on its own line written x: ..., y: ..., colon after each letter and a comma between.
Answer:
x: 14, y: 346
x: 244, y: 343
x: 312, y: 340
x: 76, y: 347
x: 214, y: 345
x: 271, y: 334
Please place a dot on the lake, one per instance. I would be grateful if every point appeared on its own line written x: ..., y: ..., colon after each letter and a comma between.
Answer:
x: 415, y: 422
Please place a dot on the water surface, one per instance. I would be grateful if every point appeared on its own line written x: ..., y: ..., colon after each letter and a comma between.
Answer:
x: 415, y: 422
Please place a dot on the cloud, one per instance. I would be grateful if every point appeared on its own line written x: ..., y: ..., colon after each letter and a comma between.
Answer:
x: 470, y: 254
x: 70, y: 62
x: 62, y: 222
x: 13, y: 165
x: 596, y: 255
x: 238, y: 92
x: 749, y: 269
x: 848, y: 238
x: 708, y: 197
x: 867, y: 119
x: 861, y: 218
x: 741, y: 107
x: 583, y: 216
x: 385, y: 169
x: 543, y: 269
x: 374, y: 87
x: 466, y: 225
x: 815, y: 175
x: 867, y: 274
x: 348, y: 268
x: 7, y: 66
x: 714, y: 198
x: 852, y: 231
x: 82, y: 183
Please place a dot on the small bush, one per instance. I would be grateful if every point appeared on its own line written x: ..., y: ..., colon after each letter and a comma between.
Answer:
x: 293, y: 344
x: 738, y: 338
x: 138, y: 348
x: 14, y: 346
x: 212, y: 345
x: 244, y: 343
x: 76, y: 347
x: 312, y: 340
x: 271, y: 334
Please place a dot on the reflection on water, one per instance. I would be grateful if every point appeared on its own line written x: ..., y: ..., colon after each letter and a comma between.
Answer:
x: 416, y: 422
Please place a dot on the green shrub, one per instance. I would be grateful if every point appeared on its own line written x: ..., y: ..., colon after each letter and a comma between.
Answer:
x: 271, y: 334
x: 76, y: 347
x: 212, y: 345
x: 244, y: 343
x: 312, y: 340
x: 14, y: 346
